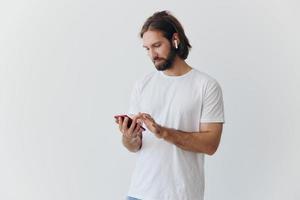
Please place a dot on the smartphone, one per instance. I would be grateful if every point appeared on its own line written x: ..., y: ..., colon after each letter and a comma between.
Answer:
x: 129, y: 120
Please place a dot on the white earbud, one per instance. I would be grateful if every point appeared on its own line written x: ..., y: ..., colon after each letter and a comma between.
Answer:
x: 176, y: 45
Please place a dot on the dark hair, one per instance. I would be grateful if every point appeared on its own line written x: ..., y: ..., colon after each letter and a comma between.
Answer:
x: 166, y: 23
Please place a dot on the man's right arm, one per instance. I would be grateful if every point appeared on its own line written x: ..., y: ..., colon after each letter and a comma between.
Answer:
x: 132, y: 136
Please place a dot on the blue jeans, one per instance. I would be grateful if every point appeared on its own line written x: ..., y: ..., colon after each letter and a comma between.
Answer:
x: 132, y: 198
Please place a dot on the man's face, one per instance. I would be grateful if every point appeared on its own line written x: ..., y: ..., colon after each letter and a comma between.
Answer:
x: 159, y: 49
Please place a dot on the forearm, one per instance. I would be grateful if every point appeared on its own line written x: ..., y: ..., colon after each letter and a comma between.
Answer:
x: 199, y: 142
x: 132, y: 145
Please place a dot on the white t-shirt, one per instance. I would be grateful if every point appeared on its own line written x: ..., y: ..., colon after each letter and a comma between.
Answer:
x: 163, y: 171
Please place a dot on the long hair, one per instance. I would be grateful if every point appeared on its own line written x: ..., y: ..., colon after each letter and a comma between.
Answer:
x: 165, y: 22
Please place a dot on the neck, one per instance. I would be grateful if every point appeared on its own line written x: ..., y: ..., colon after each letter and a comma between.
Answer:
x: 178, y: 68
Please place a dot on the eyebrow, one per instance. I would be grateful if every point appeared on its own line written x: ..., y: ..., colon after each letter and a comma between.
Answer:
x: 152, y: 44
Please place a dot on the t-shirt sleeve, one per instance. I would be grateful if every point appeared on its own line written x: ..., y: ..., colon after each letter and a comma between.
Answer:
x: 134, y: 103
x: 213, y: 106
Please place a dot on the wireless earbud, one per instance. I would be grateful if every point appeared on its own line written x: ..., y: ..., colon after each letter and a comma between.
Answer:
x: 176, y: 45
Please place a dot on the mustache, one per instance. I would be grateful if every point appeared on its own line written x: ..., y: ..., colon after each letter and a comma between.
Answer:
x: 156, y: 59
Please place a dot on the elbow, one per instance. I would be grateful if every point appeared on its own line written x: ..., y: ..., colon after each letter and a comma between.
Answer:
x: 211, y: 150
x: 134, y: 150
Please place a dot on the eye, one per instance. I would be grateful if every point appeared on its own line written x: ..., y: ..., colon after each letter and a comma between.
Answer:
x: 157, y: 45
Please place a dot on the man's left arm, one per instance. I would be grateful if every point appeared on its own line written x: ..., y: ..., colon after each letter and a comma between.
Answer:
x: 205, y: 141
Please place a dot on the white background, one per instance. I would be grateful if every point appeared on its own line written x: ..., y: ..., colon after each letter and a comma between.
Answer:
x: 67, y: 67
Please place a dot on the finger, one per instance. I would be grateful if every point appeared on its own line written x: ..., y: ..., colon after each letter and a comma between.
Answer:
x: 139, y: 131
x: 132, y: 126
x: 146, y: 121
x: 140, y: 134
x: 124, y: 124
x: 146, y: 116
x: 120, y: 121
x: 131, y: 134
x: 140, y: 122
x: 137, y: 128
x: 149, y: 117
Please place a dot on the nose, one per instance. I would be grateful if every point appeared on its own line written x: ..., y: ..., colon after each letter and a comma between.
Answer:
x: 153, y: 54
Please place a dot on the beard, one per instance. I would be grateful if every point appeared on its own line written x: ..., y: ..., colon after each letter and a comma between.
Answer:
x: 163, y: 64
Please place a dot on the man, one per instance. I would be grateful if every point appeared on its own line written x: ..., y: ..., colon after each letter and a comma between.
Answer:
x: 182, y: 109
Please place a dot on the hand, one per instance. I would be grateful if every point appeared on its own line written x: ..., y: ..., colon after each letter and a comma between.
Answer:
x: 133, y: 131
x: 152, y: 125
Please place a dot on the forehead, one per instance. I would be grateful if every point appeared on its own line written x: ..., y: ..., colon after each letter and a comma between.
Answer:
x: 152, y: 36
